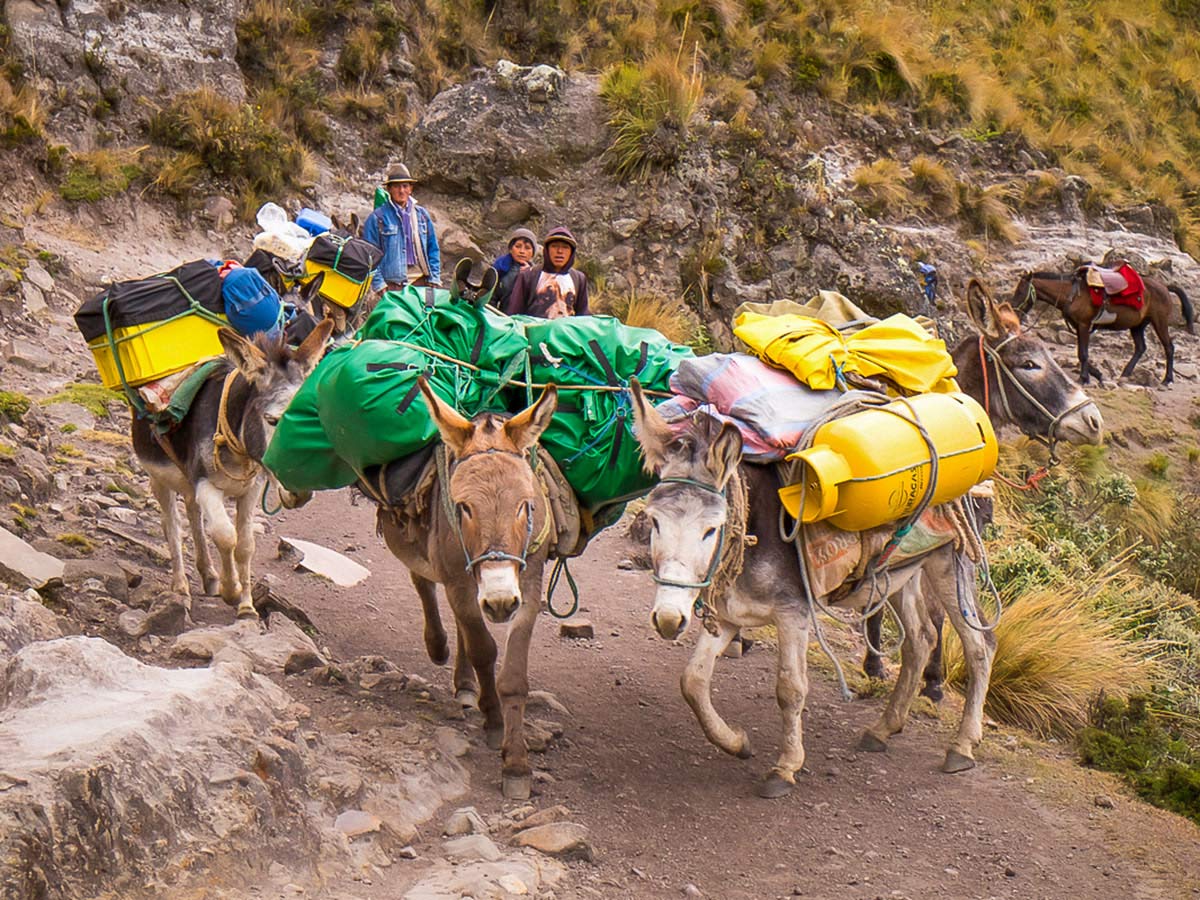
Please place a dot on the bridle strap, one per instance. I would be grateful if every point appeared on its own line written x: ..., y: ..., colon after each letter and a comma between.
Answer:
x: 226, y: 437
x: 715, y: 562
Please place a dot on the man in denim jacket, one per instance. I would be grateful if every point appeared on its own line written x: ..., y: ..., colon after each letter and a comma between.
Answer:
x: 391, y: 228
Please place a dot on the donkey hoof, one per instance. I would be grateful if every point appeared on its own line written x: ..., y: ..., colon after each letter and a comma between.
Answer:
x: 212, y: 585
x: 516, y: 787
x: 744, y: 751
x: 247, y: 611
x: 494, y: 737
x: 773, y: 786
x: 957, y: 762
x: 869, y: 743
x: 467, y: 700
x: 934, y: 692
x: 439, y: 654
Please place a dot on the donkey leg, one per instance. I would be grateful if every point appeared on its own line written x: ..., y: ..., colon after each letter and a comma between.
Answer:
x: 466, y: 687
x: 513, y: 684
x: 216, y: 522
x: 873, y: 662
x: 1082, y: 334
x: 934, y: 675
x: 480, y: 649
x: 978, y: 649
x: 170, y: 525
x: 1162, y: 330
x: 914, y: 654
x: 791, y: 689
x: 204, y: 564
x: 435, y: 634
x: 1139, y: 347
x: 696, y: 684
x: 244, y: 550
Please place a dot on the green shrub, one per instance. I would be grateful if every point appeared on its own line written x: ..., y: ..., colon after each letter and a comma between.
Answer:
x: 13, y: 406
x: 98, y: 175
x: 1126, y: 737
x: 92, y: 397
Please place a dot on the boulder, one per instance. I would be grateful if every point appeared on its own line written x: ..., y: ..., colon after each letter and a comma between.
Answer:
x: 538, y: 122
x: 508, y: 877
x: 22, y: 566
x: 274, y: 647
x: 23, y: 620
x: 566, y: 840
x: 110, y: 762
x: 127, y: 52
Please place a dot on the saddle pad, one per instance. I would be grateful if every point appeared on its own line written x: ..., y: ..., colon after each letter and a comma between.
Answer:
x: 834, y: 556
x: 1123, y: 286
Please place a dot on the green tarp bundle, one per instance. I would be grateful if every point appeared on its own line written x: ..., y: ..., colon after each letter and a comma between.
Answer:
x: 591, y: 437
x: 361, y: 406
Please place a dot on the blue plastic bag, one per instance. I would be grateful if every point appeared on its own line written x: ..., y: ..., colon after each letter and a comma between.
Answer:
x: 251, y: 304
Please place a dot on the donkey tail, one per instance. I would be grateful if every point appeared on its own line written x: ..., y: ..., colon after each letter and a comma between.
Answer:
x: 1189, y: 316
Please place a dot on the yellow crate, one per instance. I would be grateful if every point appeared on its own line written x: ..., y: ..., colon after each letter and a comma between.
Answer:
x: 155, y: 350
x: 336, y: 287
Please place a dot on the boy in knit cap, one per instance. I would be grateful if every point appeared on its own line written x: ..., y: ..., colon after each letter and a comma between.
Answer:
x: 522, y: 246
x: 553, y: 289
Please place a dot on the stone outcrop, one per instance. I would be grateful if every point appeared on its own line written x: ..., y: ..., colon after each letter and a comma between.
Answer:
x: 116, y: 53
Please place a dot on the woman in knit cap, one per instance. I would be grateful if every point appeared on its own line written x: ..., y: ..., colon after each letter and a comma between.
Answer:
x: 522, y: 246
x: 554, y: 289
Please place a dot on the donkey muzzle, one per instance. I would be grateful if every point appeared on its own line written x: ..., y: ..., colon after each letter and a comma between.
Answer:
x: 1084, y: 426
x: 668, y: 623
x: 499, y: 590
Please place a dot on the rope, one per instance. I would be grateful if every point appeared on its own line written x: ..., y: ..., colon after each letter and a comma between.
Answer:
x: 731, y: 555
x: 560, y: 567
x: 227, y: 439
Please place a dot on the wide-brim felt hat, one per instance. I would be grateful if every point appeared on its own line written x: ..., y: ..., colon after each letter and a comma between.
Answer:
x: 398, y: 173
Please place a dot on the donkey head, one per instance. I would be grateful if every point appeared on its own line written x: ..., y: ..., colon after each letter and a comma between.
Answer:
x: 1013, y: 374
x: 494, y: 492
x: 274, y: 373
x: 687, y: 509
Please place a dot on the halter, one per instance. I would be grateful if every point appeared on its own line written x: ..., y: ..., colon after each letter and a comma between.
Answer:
x: 454, y: 515
x: 1049, y: 439
x: 713, y: 563
x: 227, y: 438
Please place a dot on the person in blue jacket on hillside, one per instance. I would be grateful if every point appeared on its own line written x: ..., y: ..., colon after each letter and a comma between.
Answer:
x: 391, y: 228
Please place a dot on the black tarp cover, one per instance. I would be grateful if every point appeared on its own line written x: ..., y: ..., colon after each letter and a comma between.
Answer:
x: 152, y: 299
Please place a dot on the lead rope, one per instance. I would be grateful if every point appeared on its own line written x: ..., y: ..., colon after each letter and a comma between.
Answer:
x: 227, y: 439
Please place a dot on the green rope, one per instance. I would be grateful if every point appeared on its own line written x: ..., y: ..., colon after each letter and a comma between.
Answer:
x: 560, y: 567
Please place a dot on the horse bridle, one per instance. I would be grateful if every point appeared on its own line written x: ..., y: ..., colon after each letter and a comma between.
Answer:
x: 988, y: 352
x: 454, y: 513
x: 718, y: 552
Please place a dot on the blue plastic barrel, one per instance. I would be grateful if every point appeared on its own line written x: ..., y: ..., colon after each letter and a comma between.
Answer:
x: 313, y: 222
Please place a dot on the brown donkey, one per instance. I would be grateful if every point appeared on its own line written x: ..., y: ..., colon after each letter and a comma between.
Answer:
x: 1069, y: 295
x: 482, y: 535
x: 216, y: 454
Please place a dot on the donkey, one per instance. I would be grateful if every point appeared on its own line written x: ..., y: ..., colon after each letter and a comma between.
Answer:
x: 215, y: 454
x: 1067, y: 294
x: 482, y: 535
x: 700, y: 468
x: 1011, y: 374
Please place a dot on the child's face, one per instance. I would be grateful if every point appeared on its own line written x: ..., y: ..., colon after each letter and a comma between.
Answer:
x: 522, y: 251
x: 559, y: 252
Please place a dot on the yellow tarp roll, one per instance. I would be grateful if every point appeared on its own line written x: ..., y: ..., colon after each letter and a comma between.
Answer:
x: 897, y: 348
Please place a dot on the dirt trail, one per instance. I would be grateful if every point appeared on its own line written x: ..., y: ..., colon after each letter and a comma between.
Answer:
x: 665, y: 809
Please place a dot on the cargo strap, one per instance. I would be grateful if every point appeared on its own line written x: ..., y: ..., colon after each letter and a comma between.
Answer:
x: 226, y: 438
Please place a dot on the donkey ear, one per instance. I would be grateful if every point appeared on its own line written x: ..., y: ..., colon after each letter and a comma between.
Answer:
x: 527, y: 426
x: 724, y: 454
x: 979, y: 308
x: 312, y: 348
x: 650, y: 428
x: 455, y: 430
x: 248, y: 359
x: 310, y: 288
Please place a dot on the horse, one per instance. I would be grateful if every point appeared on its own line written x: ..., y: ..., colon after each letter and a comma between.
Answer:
x: 1011, y: 373
x: 216, y: 453
x: 482, y: 532
x: 1068, y: 294
x: 698, y: 522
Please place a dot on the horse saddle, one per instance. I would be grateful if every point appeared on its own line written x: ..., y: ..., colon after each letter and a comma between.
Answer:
x: 474, y: 282
x: 1121, y: 285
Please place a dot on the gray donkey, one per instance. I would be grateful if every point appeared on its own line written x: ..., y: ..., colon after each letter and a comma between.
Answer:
x: 215, y: 454
x: 708, y: 501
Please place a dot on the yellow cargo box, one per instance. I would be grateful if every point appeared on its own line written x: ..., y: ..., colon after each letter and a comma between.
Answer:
x: 337, y: 287
x: 156, y: 349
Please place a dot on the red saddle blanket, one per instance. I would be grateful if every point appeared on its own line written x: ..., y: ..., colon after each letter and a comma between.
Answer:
x: 1131, y: 295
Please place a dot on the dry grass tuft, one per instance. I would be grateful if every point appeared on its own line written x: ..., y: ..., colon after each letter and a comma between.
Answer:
x: 1056, y: 651
x: 882, y: 187
x: 672, y: 318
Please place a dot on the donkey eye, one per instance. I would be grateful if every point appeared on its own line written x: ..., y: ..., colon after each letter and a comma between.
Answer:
x: 464, y: 510
x: 709, y: 533
x: 1029, y: 365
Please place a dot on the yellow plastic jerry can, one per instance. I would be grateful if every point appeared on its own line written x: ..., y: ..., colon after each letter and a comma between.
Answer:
x: 872, y: 467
